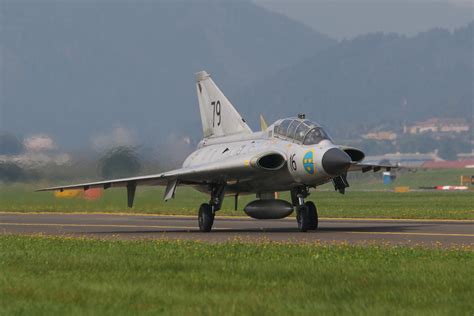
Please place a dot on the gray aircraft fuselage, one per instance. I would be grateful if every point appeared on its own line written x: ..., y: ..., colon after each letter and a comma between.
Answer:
x: 289, y: 163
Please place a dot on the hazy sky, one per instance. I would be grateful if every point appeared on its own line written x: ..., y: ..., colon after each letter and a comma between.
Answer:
x: 349, y: 18
x: 100, y: 72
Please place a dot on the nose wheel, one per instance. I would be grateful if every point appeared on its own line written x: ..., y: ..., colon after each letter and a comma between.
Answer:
x: 307, y: 216
x: 306, y: 212
x: 302, y: 218
x: 312, y: 215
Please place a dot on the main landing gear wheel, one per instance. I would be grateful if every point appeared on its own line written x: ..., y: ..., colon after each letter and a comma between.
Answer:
x: 303, y: 218
x: 205, y: 217
x: 313, y: 215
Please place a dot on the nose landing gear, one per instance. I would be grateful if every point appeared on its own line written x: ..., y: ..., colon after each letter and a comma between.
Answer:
x: 306, y: 212
x: 313, y: 215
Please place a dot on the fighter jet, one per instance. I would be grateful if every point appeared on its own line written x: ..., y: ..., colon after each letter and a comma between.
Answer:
x: 293, y: 154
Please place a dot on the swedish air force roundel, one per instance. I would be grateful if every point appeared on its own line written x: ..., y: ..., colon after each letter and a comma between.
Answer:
x: 308, y: 162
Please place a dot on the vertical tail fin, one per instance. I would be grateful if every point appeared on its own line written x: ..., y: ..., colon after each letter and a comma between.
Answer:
x: 218, y: 115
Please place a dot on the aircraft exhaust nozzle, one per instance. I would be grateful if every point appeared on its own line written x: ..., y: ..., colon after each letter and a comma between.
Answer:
x: 269, y: 161
x: 336, y: 162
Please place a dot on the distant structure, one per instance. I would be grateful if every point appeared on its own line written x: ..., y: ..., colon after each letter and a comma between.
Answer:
x: 456, y: 164
x: 382, y: 135
x: 438, y: 125
x: 404, y: 159
x: 466, y: 156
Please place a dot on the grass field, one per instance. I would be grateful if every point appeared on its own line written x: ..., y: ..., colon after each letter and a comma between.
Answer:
x: 454, y: 205
x: 412, y: 178
x: 355, y: 203
x: 75, y: 276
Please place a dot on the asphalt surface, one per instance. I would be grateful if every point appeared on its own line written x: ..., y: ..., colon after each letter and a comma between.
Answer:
x: 444, y: 233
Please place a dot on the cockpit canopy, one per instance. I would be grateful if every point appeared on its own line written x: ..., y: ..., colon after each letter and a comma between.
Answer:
x: 302, y: 131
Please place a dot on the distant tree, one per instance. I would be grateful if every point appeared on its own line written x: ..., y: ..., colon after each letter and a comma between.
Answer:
x: 449, y: 148
x: 374, y: 147
x: 119, y: 162
x: 375, y: 78
x: 11, y: 172
x: 10, y: 145
x: 416, y: 143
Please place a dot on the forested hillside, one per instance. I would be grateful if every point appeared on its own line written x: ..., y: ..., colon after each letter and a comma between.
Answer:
x: 76, y: 69
x: 376, y: 79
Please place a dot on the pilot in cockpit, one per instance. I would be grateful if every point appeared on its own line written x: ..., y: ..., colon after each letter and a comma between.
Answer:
x: 300, y: 130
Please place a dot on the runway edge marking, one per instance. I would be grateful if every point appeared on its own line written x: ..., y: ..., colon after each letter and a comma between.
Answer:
x: 244, y: 217
x: 104, y: 225
x: 415, y: 234
x: 59, y: 225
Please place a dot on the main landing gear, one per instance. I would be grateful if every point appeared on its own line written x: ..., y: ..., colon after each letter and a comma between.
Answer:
x: 205, y: 217
x: 306, y: 212
x: 207, y: 211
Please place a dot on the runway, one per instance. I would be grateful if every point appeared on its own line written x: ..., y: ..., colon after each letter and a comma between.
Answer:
x: 444, y: 233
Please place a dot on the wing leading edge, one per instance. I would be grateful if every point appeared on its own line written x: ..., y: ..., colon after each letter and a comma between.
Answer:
x: 235, y: 168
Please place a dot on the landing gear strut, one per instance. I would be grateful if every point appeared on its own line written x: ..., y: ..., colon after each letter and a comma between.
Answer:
x: 306, y: 212
x: 207, y: 211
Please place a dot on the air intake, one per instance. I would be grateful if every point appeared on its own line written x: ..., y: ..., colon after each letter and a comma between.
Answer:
x: 355, y: 154
x: 270, y: 161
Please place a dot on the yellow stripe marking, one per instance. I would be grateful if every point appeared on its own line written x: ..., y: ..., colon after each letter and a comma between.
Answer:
x: 416, y: 234
x: 396, y: 219
x: 100, y: 225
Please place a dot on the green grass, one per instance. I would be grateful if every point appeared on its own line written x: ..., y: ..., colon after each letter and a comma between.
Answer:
x: 414, y: 179
x: 76, y: 276
x: 449, y: 205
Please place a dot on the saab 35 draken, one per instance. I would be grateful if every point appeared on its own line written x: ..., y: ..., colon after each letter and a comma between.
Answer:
x: 293, y: 154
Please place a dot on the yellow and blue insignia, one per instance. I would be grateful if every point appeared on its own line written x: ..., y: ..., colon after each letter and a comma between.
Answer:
x: 308, y: 162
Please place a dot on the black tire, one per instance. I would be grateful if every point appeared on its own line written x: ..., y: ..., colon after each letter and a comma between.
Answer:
x: 302, y: 218
x: 313, y: 215
x: 205, y: 217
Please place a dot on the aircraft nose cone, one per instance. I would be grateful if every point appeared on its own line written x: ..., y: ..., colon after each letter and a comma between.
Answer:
x: 336, y: 162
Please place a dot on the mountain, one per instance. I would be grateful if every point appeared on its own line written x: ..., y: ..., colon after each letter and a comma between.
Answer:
x: 74, y: 70
x: 355, y: 18
x: 372, y: 80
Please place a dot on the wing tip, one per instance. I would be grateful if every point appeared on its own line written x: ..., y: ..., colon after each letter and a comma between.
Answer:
x: 49, y: 189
